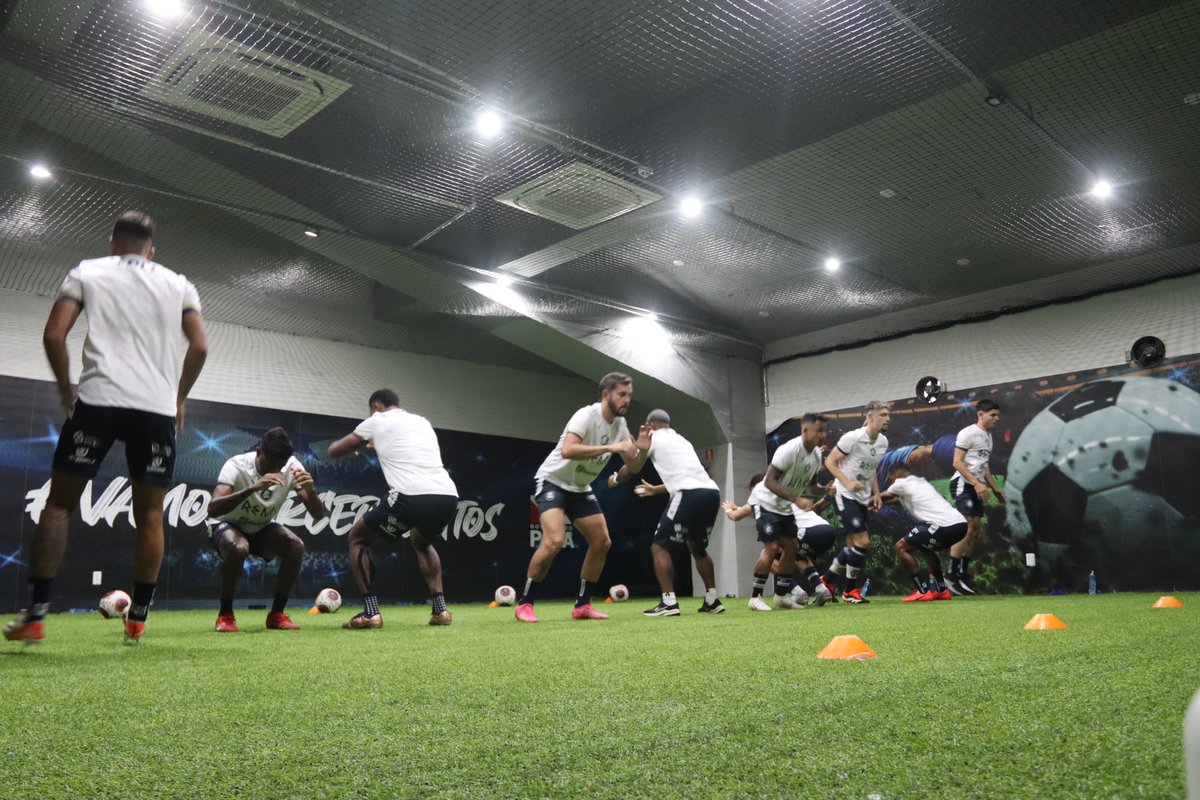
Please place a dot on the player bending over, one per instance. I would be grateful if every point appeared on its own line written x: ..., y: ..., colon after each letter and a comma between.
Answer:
x: 939, y: 526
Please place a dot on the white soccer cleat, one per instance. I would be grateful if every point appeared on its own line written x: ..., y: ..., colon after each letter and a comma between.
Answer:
x: 786, y: 601
x: 821, y: 595
x: 798, y: 595
x: 758, y: 604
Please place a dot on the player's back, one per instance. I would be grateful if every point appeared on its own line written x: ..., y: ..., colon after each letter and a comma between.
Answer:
x: 676, y: 462
x: 408, y: 451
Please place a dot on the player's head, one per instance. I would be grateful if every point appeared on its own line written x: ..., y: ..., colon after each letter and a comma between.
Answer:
x: 274, y: 449
x: 132, y: 234
x: 616, y: 391
x: 658, y: 419
x: 813, y: 428
x: 755, y: 480
x: 879, y: 415
x: 987, y: 412
x: 900, y: 470
x: 382, y: 400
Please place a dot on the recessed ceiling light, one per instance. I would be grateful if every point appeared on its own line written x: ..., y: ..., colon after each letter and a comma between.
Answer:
x: 40, y: 172
x: 503, y: 280
x: 764, y: 313
x: 311, y: 232
x: 887, y: 192
x: 995, y: 99
x: 166, y: 9
x: 650, y: 315
x: 489, y: 124
x: 691, y: 207
x: 832, y: 264
x: 963, y: 262
x: 1102, y: 189
x: 678, y: 262
x: 1192, y: 99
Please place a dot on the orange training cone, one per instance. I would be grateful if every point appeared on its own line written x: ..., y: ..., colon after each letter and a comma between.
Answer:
x: 608, y: 599
x: 1167, y: 601
x: 1045, y: 622
x: 847, y: 648
x: 493, y: 604
x: 314, y: 610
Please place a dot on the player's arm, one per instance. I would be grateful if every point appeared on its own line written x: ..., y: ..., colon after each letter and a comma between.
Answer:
x: 876, y: 498
x: 735, y: 512
x: 62, y: 318
x: 225, y: 499
x: 306, y: 490
x: 833, y: 463
x: 772, y: 482
x: 960, y: 466
x: 634, y: 455
x: 991, y: 481
x: 193, y: 359
x: 574, y: 449
x: 647, y: 489
x: 348, y: 445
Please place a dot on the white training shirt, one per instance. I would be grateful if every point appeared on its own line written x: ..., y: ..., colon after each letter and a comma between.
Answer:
x: 588, y: 424
x: 978, y: 445
x: 921, y: 500
x: 133, y: 353
x: 798, y: 468
x: 407, y: 448
x: 260, y: 508
x: 676, y: 462
x: 860, y: 455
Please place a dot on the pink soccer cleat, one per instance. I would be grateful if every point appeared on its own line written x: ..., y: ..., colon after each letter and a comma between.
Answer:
x: 586, y: 612
x: 21, y: 631
x: 524, y: 613
x: 279, y: 621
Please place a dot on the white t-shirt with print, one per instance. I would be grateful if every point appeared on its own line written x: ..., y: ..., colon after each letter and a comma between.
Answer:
x: 408, y: 452
x: 259, y: 509
x: 798, y: 469
x: 860, y: 455
x: 589, y: 425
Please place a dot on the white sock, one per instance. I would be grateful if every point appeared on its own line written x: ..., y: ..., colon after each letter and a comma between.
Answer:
x: 710, y: 596
x: 669, y: 598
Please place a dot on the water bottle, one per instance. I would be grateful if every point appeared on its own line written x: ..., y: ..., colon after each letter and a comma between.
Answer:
x: 1092, y: 582
x: 866, y: 587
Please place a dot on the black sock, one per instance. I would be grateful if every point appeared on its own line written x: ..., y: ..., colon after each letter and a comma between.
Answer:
x: 279, y: 604
x: 370, y: 605
x: 922, y: 587
x: 783, y: 585
x: 760, y: 583
x: 812, y: 578
x: 527, y: 595
x: 585, y: 593
x: 962, y: 571
x: 955, y: 567
x: 226, y: 606
x: 439, y: 602
x: 936, y: 581
x: 139, y: 606
x: 39, y: 598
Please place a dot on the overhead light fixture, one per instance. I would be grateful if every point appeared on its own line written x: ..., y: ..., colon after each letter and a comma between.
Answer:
x: 995, y: 99
x: 489, y: 124
x: 1102, y: 189
x: 166, y: 9
x: 678, y: 262
x: 832, y: 264
x: 690, y: 207
x: 503, y: 279
x: 40, y: 172
x: 888, y: 193
x: 963, y: 262
x: 311, y: 232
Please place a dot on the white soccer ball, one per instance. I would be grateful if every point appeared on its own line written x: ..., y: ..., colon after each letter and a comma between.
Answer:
x: 619, y: 593
x: 506, y: 596
x: 114, y: 604
x: 329, y: 601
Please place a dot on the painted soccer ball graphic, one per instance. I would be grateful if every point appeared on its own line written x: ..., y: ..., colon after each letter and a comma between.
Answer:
x: 328, y: 601
x: 505, y: 596
x: 619, y: 593
x: 1106, y: 472
x: 114, y: 604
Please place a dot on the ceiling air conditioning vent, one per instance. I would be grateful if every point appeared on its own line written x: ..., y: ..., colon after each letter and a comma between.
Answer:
x: 231, y: 82
x: 578, y: 196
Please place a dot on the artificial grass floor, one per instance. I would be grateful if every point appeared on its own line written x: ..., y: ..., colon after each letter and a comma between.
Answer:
x: 961, y: 703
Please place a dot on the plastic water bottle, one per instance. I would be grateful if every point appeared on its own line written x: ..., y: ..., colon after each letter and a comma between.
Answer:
x: 1092, y: 582
x: 866, y: 587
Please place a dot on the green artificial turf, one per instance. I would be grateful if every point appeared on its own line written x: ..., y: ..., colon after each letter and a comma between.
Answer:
x: 962, y: 702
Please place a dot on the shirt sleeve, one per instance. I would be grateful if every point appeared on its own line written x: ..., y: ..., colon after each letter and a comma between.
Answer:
x: 963, y: 440
x: 900, y: 487
x: 191, y: 298
x: 72, y: 286
x: 366, y: 429
x: 785, y: 454
x: 847, y: 441
x: 229, y: 474
x: 580, y: 422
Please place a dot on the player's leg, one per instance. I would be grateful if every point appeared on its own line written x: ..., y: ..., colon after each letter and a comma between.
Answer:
x: 276, y: 541
x: 432, y: 513
x: 906, y: 551
x: 664, y: 571
x: 150, y: 454
x: 850, y: 560
x: 960, y: 559
x: 945, y: 537
x: 937, y: 581
x: 233, y: 547
x: 551, y: 503
x: 770, y: 532
x: 362, y: 566
x: 595, y: 532
x: 812, y: 541
x: 784, y: 575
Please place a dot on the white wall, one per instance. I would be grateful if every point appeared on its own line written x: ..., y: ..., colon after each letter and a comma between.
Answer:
x: 1085, y: 334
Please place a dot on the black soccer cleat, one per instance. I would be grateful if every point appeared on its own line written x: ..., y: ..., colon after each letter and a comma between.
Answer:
x: 662, y: 610
x: 966, y: 587
x: 712, y: 608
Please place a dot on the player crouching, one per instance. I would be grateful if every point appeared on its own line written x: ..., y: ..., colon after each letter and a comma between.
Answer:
x: 939, y: 526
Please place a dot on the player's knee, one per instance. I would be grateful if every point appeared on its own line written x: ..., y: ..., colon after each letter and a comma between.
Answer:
x: 698, y: 550
x: 293, y: 548
x: 901, y: 547
x: 237, y: 550
x: 552, y: 543
x: 601, y: 545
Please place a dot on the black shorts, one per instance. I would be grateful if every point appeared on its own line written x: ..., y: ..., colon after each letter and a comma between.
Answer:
x: 966, y: 499
x: 935, y: 537
x: 398, y: 514
x: 690, y: 517
x: 814, y: 540
x: 772, y: 527
x: 575, y: 505
x: 852, y: 513
x: 89, y: 433
x: 257, y: 540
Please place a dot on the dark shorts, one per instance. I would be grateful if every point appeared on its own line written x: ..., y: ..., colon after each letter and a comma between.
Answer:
x: 814, y: 540
x: 398, y: 514
x: 690, y: 517
x: 773, y: 527
x: 89, y: 433
x: 852, y: 513
x: 935, y: 537
x: 966, y: 499
x: 575, y: 505
x: 257, y: 540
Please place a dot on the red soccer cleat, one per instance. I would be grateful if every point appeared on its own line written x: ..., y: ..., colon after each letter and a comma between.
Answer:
x: 134, y: 631
x: 944, y: 594
x: 854, y: 597
x: 279, y: 621
x: 586, y: 612
x: 915, y: 597
x: 21, y: 631
x: 226, y: 623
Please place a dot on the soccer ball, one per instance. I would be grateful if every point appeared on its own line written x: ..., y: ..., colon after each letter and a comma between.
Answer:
x: 114, y: 604
x: 506, y: 596
x: 1103, y: 478
x: 619, y: 593
x: 328, y: 601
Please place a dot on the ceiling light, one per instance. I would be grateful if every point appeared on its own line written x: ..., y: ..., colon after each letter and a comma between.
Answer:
x: 1192, y: 99
x: 889, y: 193
x: 166, y: 9
x: 691, y: 207
x: 503, y: 280
x: 310, y: 232
x: 963, y: 262
x: 40, y: 172
x: 678, y: 262
x: 1102, y: 189
x: 995, y: 99
x: 489, y: 124
x: 764, y: 314
x: 650, y: 315
x: 832, y: 264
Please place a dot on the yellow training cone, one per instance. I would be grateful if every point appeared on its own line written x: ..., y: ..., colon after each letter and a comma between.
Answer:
x: 847, y: 648
x: 1045, y: 622
x: 314, y: 610
x: 1167, y: 601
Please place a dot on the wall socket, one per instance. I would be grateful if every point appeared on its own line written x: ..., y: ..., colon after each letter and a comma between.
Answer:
x: 97, y: 578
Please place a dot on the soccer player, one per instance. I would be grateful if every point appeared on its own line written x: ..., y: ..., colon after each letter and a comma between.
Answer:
x: 250, y: 490
x: 939, y: 526
x: 135, y: 380
x: 695, y: 502
x: 793, y: 469
x: 969, y: 488
x: 421, y: 502
x: 563, y: 490
x: 852, y: 463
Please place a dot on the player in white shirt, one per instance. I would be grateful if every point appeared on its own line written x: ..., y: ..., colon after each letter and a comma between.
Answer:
x: 695, y: 502
x: 939, y: 526
x: 563, y: 490
x: 250, y: 490
x: 852, y: 462
x: 135, y: 379
x: 969, y: 487
x: 421, y: 502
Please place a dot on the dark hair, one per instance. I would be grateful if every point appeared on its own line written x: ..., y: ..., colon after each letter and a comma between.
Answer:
x: 812, y: 419
x: 985, y: 405
x: 612, y: 380
x: 134, y: 227
x: 276, y: 443
x: 385, y: 397
x: 755, y: 480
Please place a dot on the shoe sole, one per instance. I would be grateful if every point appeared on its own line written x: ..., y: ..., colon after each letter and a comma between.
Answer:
x: 672, y: 613
x: 717, y: 610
